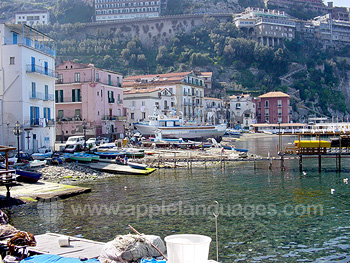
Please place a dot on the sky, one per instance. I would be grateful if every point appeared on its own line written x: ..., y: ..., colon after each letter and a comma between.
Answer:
x: 341, y: 3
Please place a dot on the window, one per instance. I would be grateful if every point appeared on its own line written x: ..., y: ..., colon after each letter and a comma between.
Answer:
x: 132, y: 116
x: 110, y: 80
x: 58, y: 96
x: 46, y: 92
x: 267, y: 112
x: 119, y: 112
x: 47, y: 113
x: 279, y: 103
x: 143, y: 115
x: 60, y: 113
x: 77, y: 113
x: 143, y: 103
x: 279, y: 111
x: 33, y: 90
x: 110, y: 96
x: 238, y: 106
x: 77, y: 77
x: 267, y: 119
x: 280, y: 119
x: 12, y: 60
x: 76, y: 95
x: 266, y: 103
x: 118, y: 82
x: 97, y: 77
x: 60, y: 78
x: 133, y: 103
x: 34, y: 115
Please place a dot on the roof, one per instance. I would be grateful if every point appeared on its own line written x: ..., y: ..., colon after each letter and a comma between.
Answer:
x: 274, y: 94
x: 139, y: 91
x: 241, y: 96
x: 207, y: 98
x: 31, y: 11
x: 167, y: 75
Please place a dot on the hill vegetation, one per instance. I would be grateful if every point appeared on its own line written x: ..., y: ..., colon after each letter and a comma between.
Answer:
x: 238, y: 63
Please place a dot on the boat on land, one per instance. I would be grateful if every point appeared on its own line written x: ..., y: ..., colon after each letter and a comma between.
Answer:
x: 84, y: 157
x: 234, y: 149
x: 42, y: 156
x: 121, y: 169
x: 175, y: 128
x: 27, y: 176
x: 137, y: 165
x: 37, y: 163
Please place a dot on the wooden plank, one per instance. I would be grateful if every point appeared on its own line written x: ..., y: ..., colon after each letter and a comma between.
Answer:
x: 79, y: 247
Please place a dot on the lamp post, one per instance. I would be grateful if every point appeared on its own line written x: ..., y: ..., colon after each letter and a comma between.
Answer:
x: 84, y: 130
x: 279, y: 138
x: 17, y: 131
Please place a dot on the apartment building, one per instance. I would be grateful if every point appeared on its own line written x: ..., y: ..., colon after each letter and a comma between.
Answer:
x: 268, y: 27
x: 242, y: 110
x: 312, y: 5
x: 107, y: 10
x: 142, y: 103
x: 187, y: 88
x: 214, y: 110
x: 273, y: 108
x: 88, y: 100
x: 32, y: 17
x: 27, y: 85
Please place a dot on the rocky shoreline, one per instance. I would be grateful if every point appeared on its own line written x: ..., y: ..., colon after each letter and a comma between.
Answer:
x: 70, y: 173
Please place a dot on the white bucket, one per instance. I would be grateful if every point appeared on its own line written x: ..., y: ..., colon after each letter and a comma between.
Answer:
x: 187, y: 248
x: 64, y: 241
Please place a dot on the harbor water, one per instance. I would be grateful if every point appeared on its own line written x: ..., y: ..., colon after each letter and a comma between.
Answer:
x: 264, y: 215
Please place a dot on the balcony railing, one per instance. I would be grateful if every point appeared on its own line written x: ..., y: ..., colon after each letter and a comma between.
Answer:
x: 36, y: 95
x: 49, y: 97
x: 32, y: 68
x: 113, y: 118
x: 68, y: 99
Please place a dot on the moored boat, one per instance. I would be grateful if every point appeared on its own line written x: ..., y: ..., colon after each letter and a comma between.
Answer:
x: 81, y: 157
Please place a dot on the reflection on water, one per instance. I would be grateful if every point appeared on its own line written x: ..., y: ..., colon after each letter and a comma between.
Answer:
x: 264, y: 215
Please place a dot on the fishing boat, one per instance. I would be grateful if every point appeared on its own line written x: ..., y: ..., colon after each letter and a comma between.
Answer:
x: 108, y: 155
x: 27, y: 176
x: 81, y: 157
x: 137, y: 165
x: 37, y: 163
x: 41, y: 156
x: 174, y: 127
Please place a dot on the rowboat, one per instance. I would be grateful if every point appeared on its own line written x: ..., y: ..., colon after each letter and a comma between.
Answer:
x: 37, y: 163
x: 80, y: 157
x: 137, y: 165
x: 27, y: 176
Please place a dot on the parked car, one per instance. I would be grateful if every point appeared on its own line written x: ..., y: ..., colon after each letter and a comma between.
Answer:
x: 92, y: 142
x: 71, y: 148
x: 75, y: 140
x: 103, y: 140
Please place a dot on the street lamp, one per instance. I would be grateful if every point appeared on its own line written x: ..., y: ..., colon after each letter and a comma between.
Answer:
x: 17, y: 131
x: 279, y: 137
x: 84, y: 130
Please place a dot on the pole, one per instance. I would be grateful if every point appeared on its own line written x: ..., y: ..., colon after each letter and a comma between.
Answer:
x: 319, y: 153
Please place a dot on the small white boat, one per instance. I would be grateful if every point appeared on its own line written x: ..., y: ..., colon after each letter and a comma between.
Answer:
x: 37, y: 163
x: 137, y: 165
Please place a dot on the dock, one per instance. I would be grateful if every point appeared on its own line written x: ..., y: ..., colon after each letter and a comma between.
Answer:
x: 120, y: 169
x: 78, y: 247
x: 42, y: 191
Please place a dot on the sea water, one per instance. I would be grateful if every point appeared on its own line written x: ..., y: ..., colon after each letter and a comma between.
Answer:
x: 263, y: 215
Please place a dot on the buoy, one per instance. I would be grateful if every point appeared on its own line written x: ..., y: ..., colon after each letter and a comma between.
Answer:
x: 304, y: 173
x: 332, y: 191
x: 346, y: 180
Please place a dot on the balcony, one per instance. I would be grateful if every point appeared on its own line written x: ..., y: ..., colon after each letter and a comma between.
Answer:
x: 69, y: 100
x: 36, y: 95
x: 120, y: 101
x: 32, y: 68
x: 111, y: 100
x: 48, y: 97
x: 113, y: 118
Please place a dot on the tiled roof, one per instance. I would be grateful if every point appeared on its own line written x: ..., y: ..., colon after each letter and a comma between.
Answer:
x: 242, y: 95
x: 274, y: 94
x: 138, y: 91
x: 207, y: 98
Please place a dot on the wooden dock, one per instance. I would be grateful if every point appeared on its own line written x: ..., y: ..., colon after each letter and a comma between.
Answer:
x: 120, y: 169
x: 79, y: 247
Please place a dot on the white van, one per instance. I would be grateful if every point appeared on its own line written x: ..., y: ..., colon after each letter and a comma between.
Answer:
x: 75, y: 140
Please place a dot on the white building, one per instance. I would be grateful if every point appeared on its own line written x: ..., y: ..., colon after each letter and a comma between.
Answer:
x: 116, y: 9
x: 213, y: 110
x: 242, y: 110
x: 27, y: 85
x: 187, y: 87
x: 141, y: 103
x: 32, y: 17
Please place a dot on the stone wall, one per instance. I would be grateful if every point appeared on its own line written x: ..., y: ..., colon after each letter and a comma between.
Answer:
x: 151, y: 31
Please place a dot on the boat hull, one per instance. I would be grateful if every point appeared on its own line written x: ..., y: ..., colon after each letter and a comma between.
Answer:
x: 184, y: 132
x: 27, y: 176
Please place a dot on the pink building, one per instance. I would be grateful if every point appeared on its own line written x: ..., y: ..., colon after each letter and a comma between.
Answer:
x: 273, y: 107
x: 84, y: 92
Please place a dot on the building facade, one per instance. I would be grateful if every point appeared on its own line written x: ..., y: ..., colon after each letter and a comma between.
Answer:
x: 142, y: 103
x: 32, y: 17
x: 84, y: 92
x: 107, y: 10
x: 242, y: 111
x: 214, y: 112
x: 273, y: 108
x: 27, y: 85
x: 187, y: 88
x: 268, y: 27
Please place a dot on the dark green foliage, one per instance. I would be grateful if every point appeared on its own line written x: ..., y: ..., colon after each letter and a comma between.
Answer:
x: 72, y: 11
